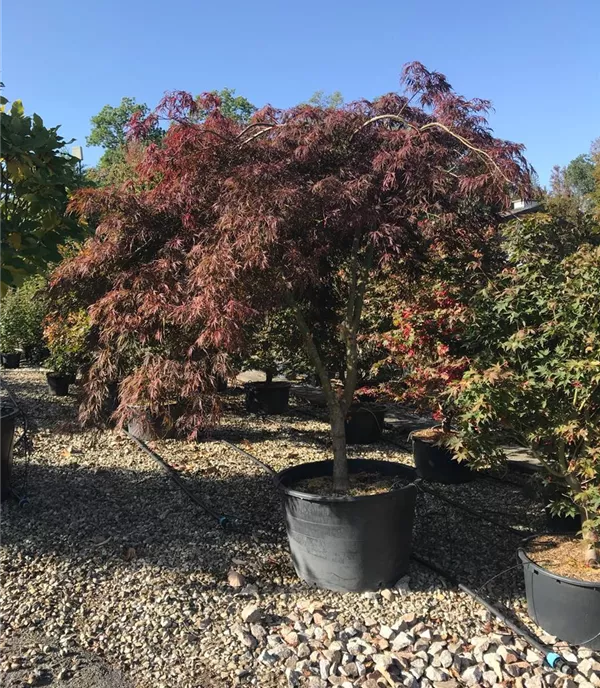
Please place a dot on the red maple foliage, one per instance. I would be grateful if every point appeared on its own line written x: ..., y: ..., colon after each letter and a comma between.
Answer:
x: 225, y: 224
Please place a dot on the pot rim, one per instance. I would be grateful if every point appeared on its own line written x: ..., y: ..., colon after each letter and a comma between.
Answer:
x: 8, y: 411
x: 527, y: 561
x: 338, y: 499
x: 264, y: 383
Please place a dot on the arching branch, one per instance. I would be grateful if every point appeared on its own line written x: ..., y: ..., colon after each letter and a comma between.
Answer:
x: 396, y: 118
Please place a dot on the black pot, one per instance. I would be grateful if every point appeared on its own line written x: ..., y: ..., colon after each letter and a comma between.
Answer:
x: 221, y: 384
x: 346, y: 543
x: 147, y: 427
x: 271, y: 398
x: 564, y: 607
x: 562, y: 524
x: 8, y: 418
x: 364, y: 424
x: 437, y: 464
x: 11, y: 360
x: 59, y: 384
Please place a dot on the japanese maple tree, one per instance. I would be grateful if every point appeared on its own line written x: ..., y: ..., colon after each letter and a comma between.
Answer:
x: 230, y: 223
x: 536, y: 378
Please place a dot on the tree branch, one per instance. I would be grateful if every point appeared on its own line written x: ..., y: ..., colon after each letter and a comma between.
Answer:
x: 438, y: 125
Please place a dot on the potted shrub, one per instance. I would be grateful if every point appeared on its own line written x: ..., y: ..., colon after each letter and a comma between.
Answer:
x: 267, y: 397
x: 427, y: 348
x: 10, y: 331
x: 365, y: 417
x: 537, y: 382
x: 66, y: 338
x: 238, y: 223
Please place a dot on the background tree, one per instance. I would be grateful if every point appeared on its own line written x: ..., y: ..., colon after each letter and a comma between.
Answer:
x: 109, y: 131
x: 36, y: 178
x: 237, y: 108
x: 239, y: 222
x: 321, y: 99
x: 578, y: 180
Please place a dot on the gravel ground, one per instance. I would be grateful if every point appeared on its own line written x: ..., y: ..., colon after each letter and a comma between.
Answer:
x: 112, y: 577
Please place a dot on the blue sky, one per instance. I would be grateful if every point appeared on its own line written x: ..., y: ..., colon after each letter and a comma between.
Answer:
x: 537, y: 60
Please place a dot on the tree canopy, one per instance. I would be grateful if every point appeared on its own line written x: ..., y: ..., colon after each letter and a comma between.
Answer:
x: 233, y: 223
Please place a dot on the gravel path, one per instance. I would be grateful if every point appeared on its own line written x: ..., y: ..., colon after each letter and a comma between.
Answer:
x: 112, y: 577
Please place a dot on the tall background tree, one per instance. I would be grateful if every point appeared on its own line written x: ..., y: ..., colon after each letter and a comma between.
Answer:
x: 109, y: 131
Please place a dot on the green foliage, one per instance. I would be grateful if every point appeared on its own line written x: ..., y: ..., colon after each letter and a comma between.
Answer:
x: 23, y: 313
x: 579, y: 175
x: 109, y: 131
x: 536, y: 380
x: 67, y: 340
x: 235, y: 107
x: 326, y: 100
x: 36, y: 177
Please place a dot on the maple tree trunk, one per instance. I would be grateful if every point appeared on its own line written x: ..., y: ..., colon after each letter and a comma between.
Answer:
x: 590, y: 552
x: 340, y: 458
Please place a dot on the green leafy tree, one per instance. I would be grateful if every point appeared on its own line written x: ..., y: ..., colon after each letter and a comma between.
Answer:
x: 234, y: 107
x: 536, y: 379
x: 326, y: 100
x: 36, y: 177
x: 109, y: 131
x: 23, y: 313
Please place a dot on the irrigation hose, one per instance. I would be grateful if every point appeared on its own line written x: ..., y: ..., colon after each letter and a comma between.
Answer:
x: 552, y: 659
x: 174, y: 475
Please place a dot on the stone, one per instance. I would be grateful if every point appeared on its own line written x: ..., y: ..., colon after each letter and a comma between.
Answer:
x: 292, y: 677
x: 251, y: 614
x: 248, y: 640
x: 267, y: 658
x: 450, y: 683
x: 417, y: 667
x: 282, y: 651
x: 535, y: 682
x: 350, y: 670
x: 516, y: 668
x: 446, y: 659
x: 492, y: 660
x: 386, y: 632
x: 387, y: 595
x: 292, y: 638
x: 434, y: 674
x: 490, y: 678
x: 303, y: 651
x: 236, y: 579
x: 402, y: 641
x: 316, y: 682
x: 472, y: 676
x: 258, y: 631
x: 324, y: 667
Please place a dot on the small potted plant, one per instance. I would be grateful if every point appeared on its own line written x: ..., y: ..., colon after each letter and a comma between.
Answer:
x: 537, y: 383
x: 66, y: 338
x: 425, y: 346
x: 269, y: 397
x: 365, y: 417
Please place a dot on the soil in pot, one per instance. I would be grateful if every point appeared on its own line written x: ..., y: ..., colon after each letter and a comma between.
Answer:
x: 8, y: 416
x: 364, y: 483
x: 11, y: 360
x: 435, y: 462
x: 271, y: 398
x: 345, y: 542
x: 59, y: 384
x: 364, y: 424
x: 563, y: 594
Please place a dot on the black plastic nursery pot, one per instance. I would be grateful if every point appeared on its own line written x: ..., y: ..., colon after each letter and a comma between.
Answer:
x: 565, y: 607
x: 147, y: 427
x: 7, y: 440
x: 271, y: 398
x: 59, y: 384
x: 11, y: 360
x: 437, y: 464
x: 364, y: 424
x: 351, y: 544
x: 562, y: 524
